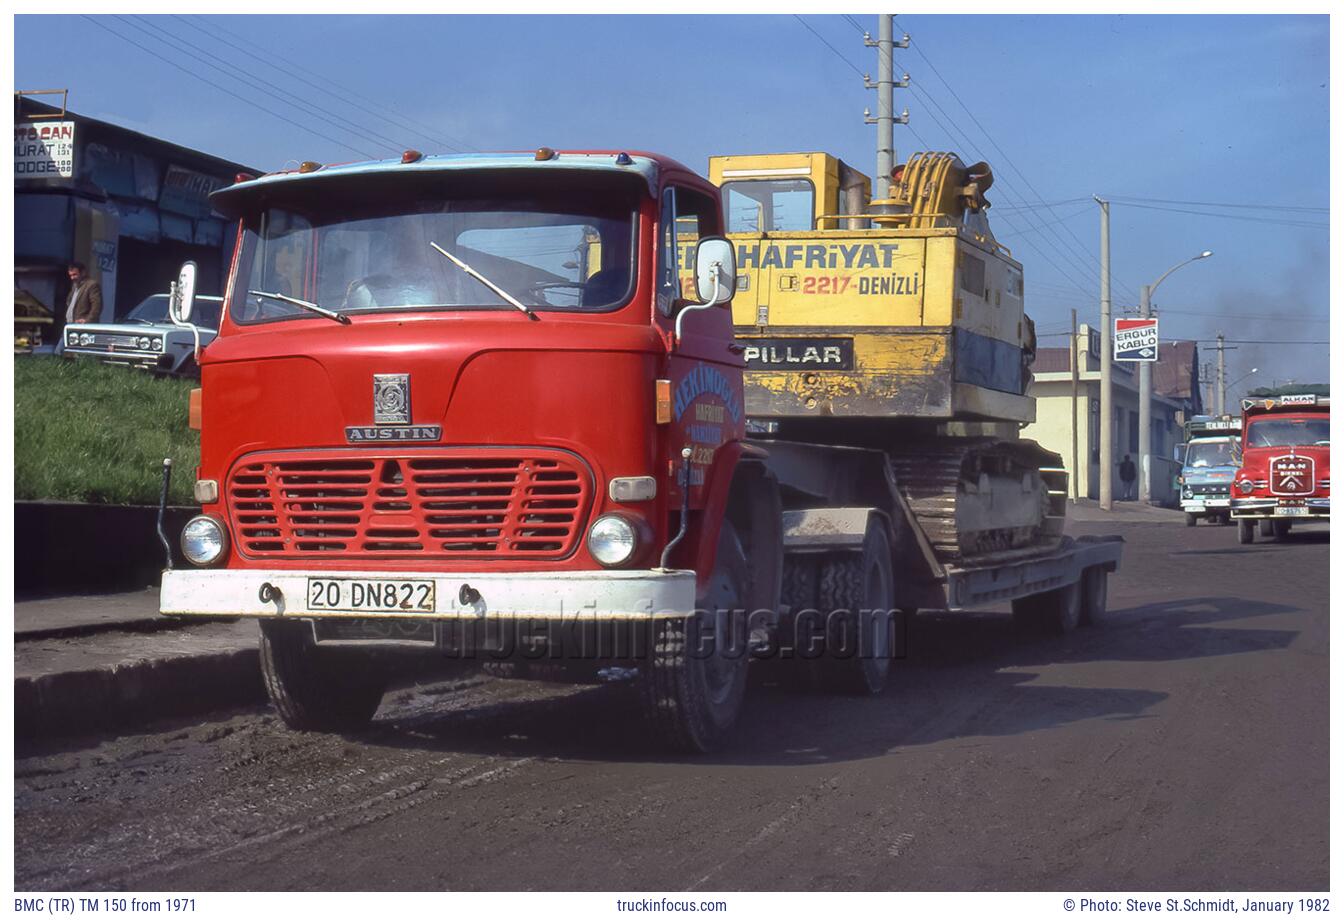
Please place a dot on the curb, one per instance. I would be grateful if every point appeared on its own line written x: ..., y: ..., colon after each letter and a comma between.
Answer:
x: 70, y: 702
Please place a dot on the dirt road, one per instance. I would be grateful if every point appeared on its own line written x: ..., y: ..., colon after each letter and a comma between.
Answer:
x: 1182, y: 745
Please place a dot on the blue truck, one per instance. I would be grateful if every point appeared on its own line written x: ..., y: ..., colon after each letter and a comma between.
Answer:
x: 1212, y: 456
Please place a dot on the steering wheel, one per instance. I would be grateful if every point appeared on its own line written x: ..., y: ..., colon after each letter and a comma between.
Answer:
x: 359, y: 295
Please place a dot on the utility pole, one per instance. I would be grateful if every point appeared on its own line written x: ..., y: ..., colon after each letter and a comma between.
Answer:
x: 1206, y: 385
x: 1146, y: 406
x: 886, y: 118
x: 1107, y: 461
x: 1073, y: 405
x: 1222, y: 378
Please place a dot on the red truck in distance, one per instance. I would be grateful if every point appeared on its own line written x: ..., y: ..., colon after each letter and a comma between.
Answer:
x: 1285, y: 465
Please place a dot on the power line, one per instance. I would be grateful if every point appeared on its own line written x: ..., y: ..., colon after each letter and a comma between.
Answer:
x: 158, y: 56
x: 337, y: 120
x: 1305, y: 224
x: 1220, y: 204
x: 1261, y: 342
x: 382, y: 114
x: 847, y: 61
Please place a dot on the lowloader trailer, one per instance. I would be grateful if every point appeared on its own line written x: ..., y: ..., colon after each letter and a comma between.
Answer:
x: 494, y: 406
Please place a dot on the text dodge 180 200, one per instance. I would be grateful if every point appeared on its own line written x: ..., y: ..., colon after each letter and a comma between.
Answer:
x: 495, y: 405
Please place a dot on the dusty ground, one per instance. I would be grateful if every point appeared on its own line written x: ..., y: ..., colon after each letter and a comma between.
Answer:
x: 1183, y: 745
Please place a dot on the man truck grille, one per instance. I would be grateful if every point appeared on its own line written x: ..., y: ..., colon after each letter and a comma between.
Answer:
x: 479, y: 503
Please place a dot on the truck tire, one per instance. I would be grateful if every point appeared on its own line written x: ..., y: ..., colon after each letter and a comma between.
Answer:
x: 694, y: 683
x: 1191, y: 519
x: 316, y: 689
x: 799, y: 620
x: 856, y: 595
x: 1281, y: 528
x: 1266, y: 529
x: 1058, y: 611
x: 1245, y: 531
x: 1094, y: 595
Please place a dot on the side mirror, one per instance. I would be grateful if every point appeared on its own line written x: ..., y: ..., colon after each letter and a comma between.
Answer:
x: 184, y: 293
x: 715, y: 270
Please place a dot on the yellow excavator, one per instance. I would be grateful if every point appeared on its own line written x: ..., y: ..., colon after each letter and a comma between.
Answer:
x: 895, y: 323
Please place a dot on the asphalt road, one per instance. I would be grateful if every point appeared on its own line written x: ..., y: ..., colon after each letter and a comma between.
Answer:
x: 1183, y: 745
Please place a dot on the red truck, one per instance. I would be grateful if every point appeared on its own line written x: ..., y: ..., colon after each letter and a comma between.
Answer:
x: 492, y: 406
x: 1285, y: 465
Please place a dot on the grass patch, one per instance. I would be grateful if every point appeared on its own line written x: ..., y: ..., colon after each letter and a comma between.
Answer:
x: 88, y: 432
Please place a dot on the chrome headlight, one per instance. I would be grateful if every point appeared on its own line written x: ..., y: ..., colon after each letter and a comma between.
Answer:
x: 143, y: 343
x: 613, y: 539
x: 72, y: 337
x: 156, y: 344
x: 85, y: 338
x: 204, y: 540
x: 1245, y: 487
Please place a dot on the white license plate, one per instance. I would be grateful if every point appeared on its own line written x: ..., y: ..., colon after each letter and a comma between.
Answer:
x: 1290, y: 509
x: 371, y: 595
x: 1194, y: 506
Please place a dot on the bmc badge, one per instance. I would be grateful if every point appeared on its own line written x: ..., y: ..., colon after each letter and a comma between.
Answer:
x: 392, y: 414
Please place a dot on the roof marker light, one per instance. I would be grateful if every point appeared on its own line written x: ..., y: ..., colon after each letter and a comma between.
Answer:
x: 545, y: 153
x: 308, y: 166
x: 623, y: 159
x: 412, y: 156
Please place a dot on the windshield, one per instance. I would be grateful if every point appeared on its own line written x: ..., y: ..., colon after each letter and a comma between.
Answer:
x: 1288, y: 432
x: 154, y: 309
x: 560, y: 252
x: 1210, y: 453
x: 756, y: 205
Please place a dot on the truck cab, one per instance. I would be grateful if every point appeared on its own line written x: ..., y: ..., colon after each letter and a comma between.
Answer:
x: 1212, y: 455
x: 452, y: 391
x: 1284, y: 476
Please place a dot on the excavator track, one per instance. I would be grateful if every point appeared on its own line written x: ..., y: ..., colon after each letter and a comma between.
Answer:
x: 982, y: 497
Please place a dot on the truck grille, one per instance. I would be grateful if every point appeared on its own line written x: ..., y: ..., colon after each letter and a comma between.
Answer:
x: 481, y: 503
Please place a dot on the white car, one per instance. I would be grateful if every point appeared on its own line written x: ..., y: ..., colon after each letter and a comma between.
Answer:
x: 147, y: 338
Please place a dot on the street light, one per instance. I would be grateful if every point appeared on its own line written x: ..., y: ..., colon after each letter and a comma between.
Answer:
x: 1146, y: 386
x: 1242, y: 377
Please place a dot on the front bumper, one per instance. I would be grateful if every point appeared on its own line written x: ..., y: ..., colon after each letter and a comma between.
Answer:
x: 1273, y: 508
x: 586, y: 595
x: 141, y: 359
x: 1201, y: 503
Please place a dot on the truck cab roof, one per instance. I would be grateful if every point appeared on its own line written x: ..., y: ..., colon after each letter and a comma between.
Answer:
x: 234, y: 199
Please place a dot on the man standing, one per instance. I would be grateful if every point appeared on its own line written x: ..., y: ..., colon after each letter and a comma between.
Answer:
x: 1127, y: 476
x: 86, y: 296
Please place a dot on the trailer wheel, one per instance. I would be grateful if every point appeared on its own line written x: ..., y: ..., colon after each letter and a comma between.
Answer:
x: 857, y: 598
x: 696, y: 678
x: 1245, y: 531
x: 1191, y: 519
x: 1057, y: 611
x: 1094, y: 595
x: 316, y: 689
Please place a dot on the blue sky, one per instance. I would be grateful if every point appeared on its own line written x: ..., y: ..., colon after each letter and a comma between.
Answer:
x: 1211, y: 109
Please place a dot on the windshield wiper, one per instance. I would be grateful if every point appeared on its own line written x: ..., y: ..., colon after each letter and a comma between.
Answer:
x: 305, y: 304
x: 484, y: 280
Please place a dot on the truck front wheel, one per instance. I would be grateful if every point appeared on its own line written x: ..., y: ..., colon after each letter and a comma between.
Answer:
x: 1191, y: 519
x: 1245, y: 531
x: 316, y: 689
x: 696, y: 677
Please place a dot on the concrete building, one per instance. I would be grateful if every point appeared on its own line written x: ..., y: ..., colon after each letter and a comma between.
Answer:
x: 131, y: 207
x: 1052, y: 388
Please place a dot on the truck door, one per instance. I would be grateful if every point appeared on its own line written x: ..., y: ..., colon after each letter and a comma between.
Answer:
x: 706, y: 373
